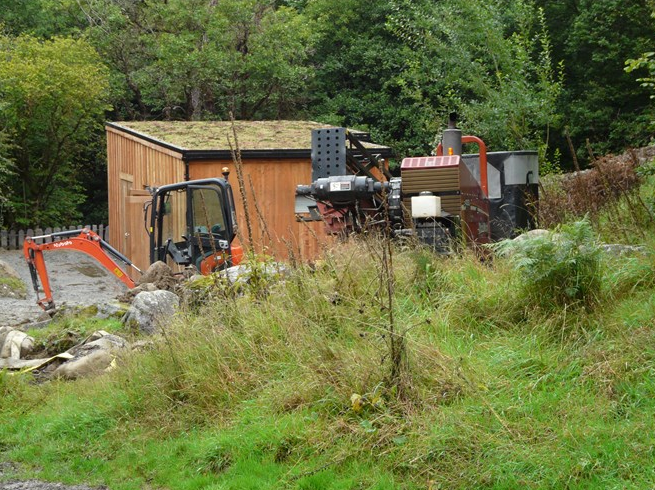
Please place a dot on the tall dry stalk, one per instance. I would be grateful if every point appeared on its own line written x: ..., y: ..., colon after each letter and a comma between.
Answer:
x: 235, y: 150
x: 398, y: 369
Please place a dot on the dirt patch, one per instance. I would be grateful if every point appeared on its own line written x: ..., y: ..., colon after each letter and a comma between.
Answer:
x: 9, y: 470
x: 90, y: 270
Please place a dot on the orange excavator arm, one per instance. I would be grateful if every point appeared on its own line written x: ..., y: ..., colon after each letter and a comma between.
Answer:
x: 83, y: 240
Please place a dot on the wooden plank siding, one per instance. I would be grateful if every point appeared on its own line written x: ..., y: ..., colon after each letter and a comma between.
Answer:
x: 270, y: 189
x: 133, y: 165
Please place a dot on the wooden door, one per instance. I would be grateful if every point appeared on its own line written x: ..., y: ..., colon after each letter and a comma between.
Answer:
x: 126, y: 183
x: 138, y: 239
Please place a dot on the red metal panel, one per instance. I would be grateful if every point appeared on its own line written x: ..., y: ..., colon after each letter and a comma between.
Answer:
x: 475, y: 208
x: 414, y: 163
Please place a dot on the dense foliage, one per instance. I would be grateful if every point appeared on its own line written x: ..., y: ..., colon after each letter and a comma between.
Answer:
x: 558, y: 268
x: 54, y: 98
x: 522, y: 74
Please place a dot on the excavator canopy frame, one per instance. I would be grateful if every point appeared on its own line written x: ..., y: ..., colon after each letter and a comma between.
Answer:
x: 202, y: 235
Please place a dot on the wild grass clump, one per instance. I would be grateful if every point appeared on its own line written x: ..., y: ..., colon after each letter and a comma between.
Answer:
x: 559, y: 268
x: 466, y: 293
x: 313, y: 341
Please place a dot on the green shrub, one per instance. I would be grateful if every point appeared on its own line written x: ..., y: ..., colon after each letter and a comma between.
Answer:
x: 559, y: 268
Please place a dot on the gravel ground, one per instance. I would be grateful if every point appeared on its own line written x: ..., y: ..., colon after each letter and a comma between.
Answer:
x: 38, y: 485
x: 75, y: 278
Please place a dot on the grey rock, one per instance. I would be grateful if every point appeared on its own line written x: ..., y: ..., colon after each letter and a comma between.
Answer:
x: 93, y: 363
x: 111, y: 310
x: 531, y: 234
x: 99, y: 340
x: 14, y: 344
x: 150, y: 311
x: 618, y: 249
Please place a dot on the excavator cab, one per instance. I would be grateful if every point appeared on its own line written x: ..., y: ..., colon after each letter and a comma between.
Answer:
x: 193, y: 224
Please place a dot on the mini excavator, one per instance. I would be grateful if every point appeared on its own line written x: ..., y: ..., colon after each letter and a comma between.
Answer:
x: 191, y: 224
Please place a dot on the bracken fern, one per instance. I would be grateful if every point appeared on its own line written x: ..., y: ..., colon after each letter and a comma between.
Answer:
x: 559, y: 268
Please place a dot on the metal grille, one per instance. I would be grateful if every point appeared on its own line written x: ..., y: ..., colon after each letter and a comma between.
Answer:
x: 328, y: 152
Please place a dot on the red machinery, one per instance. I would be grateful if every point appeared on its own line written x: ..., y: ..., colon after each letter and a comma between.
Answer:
x: 479, y: 198
x: 83, y: 240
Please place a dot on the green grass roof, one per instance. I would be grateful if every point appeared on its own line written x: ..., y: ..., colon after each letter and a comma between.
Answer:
x: 212, y: 135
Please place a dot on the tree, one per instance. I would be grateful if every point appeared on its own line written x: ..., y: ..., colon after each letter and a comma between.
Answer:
x: 601, y: 103
x: 360, y: 68
x: 489, y: 61
x: 645, y: 63
x: 203, y: 58
x: 400, y: 66
x: 6, y: 172
x: 41, y: 18
x: 53, y: 95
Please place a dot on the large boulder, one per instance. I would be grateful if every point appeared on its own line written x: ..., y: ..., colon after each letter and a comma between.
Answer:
x: 92, y: 357
x: 152, y: 310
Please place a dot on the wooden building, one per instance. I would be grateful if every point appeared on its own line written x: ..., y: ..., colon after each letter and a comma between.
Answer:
x: 276, y: 158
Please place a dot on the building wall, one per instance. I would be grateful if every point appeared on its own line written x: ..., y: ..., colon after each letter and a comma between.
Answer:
x: 270, y: 186
x: 132, y: 165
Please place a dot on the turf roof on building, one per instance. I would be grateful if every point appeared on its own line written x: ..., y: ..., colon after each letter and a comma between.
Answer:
x: 213, y: 135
